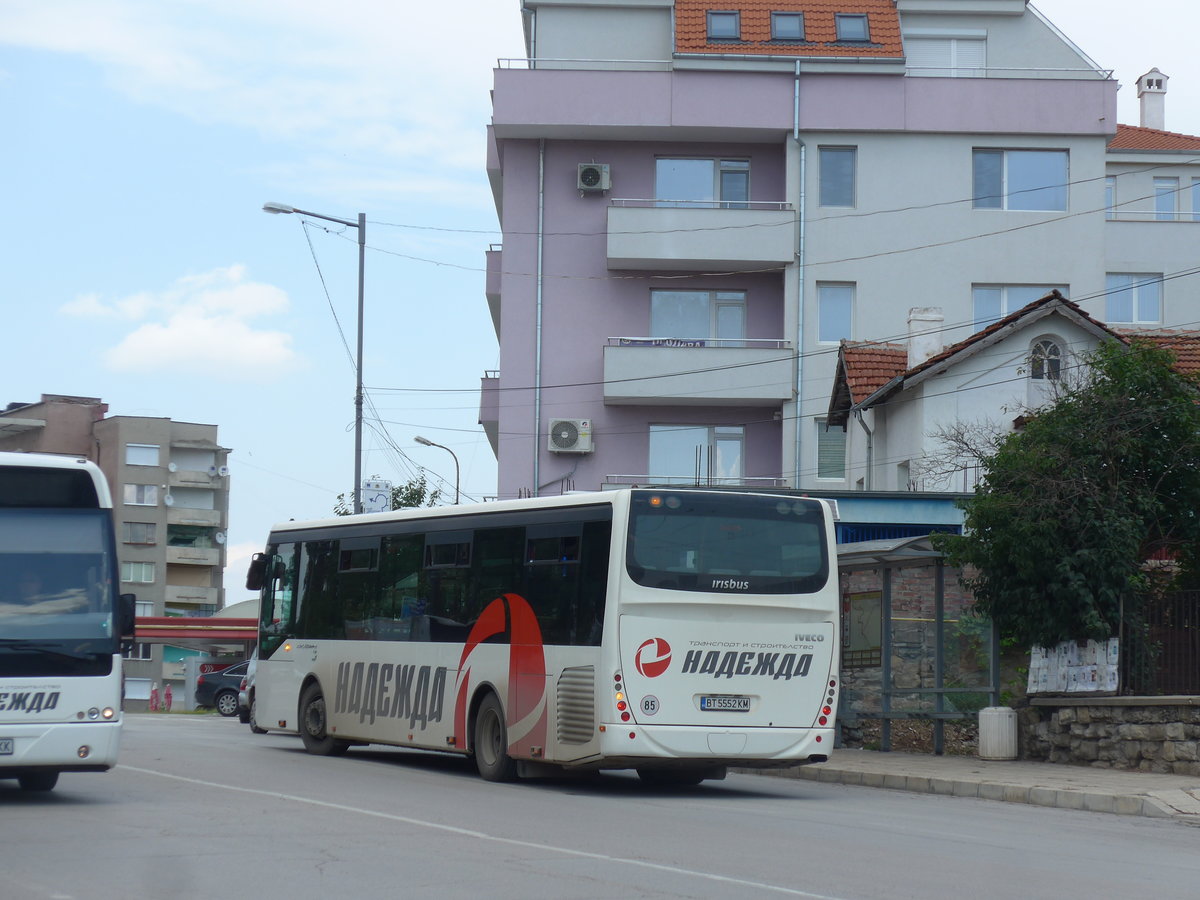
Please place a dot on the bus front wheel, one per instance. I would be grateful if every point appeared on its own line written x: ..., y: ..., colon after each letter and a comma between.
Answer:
x: 491, y: 742
x: 314, y: 726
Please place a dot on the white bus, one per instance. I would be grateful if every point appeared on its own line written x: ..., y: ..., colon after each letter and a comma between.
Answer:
x: 61, y: 620
x: 673, y: 631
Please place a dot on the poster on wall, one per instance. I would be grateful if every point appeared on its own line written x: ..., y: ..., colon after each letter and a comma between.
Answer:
x: 1075, y: 667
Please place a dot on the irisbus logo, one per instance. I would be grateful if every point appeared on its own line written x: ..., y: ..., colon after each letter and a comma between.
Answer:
x: 653, y: 658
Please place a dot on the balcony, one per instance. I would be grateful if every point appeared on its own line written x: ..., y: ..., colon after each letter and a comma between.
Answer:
x: 667, y: 372
x: 489, y: 408
x: 195, y: 478
x: 194, y: 556
x: 186, y: 595
x: 616, y: 482
x: 491, y: 289
x: 700, y: 236
x: 182, y: 515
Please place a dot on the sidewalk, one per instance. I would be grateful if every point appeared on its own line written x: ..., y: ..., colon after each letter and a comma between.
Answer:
x: 1018, y: 781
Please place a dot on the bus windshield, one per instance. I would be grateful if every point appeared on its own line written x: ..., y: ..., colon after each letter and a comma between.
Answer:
x: 56, y: 586
x: 693, y: 541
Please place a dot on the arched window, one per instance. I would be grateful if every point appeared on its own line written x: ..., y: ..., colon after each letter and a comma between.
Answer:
x: 1045, y: 361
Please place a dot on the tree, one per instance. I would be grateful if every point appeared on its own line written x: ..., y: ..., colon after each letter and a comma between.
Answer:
x: 1071, y: 507
x: 413, y: 493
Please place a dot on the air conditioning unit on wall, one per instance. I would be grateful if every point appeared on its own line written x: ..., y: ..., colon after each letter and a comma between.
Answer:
x: 594, y: 177
x: 570, y: 436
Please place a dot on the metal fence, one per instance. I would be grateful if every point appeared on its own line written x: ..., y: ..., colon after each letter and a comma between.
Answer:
x: 1160, y: 654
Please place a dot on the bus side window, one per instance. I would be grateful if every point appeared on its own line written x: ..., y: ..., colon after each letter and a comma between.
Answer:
x: 317, y: 612
x: 402, y: 602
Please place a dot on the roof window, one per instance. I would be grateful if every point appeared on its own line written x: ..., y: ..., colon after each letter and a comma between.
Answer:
x: 787, y: 26
x: 852, y: 27
x: 724, y: 25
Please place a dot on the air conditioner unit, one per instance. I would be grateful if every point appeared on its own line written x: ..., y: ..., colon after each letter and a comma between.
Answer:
x: 570, y: 436
x: 594, y: 177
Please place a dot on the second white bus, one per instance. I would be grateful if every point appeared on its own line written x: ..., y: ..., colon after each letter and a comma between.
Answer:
x: 676, y: 632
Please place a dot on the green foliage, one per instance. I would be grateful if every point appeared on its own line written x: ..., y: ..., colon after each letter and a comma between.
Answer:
x: 413, y: 493
x: 1073, y: 505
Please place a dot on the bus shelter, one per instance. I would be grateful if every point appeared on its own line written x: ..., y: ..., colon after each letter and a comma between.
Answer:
x: 911, y: 646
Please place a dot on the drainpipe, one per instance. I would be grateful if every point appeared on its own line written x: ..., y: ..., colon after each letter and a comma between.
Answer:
x: 537, y: 355
x: 799, y: 275
x: 870, y: 448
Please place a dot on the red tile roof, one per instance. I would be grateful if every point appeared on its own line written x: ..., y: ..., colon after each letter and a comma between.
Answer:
x: 820, y: 31
x: 870, y: 366
x: 1134, y: 137
x: 1184, y: 344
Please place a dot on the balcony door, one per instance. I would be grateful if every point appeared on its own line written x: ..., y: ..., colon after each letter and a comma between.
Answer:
x: 712, y: 318
x: 697, y: 454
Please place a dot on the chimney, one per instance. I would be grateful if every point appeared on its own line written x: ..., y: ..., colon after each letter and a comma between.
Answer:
x: 1152, y: 92
x: 924, y: 333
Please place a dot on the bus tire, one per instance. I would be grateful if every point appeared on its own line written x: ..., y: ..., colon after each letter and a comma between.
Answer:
x: 252, y: 717
x: 38, y: 781
x: 491, y: 742
x: 313, y: 725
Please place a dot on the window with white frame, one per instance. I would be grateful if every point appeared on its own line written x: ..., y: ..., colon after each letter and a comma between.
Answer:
x: 787, y: 26
x: 139, y: 651
x: 1133, y: 298
x: 1045, y: 360
x: 992, y: 302
x: 852, y: 27
x: 1020, y: 179
x: 946, y: 57
x: 838, y: 170
x: 139, y: 533
x: 137, y: 572
x: 1166, y: 199
x: 141, y: 454
x: 724, y: 25
x: 697, y: 454
x: 718, y: 318
x: 141, y: 494
x: 831, y: 450
x: 1196, y: 199
x: 704, y: 183
x: 1110, y: 197
x: 835, y: 311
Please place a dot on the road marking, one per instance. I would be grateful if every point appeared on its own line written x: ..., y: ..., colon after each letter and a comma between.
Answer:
x: 484, y: 836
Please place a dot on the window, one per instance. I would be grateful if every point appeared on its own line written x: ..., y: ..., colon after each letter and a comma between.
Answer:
x: 696, y: 454
x: 1196, y: 199
x: 704, y: 183
x: 724, y: 26
x: 835, y: 306
x: 947, y: 57
x: 1134, y: 298
x: 1110, y: 197
x: 197, y: 536
x: 1166, y: 199
x: 993, y: 302
x: 713, y: 318
x: 838, y: 167
x: 1020, y: 179
x: 141, y: 495
x: 852, y: 28
x: 139, y: 533
x: 141, y: 454
x: 137, y: 572
x: 1045, y: 361
x: 831, y: 451
x: 138, y: 651
x: 787, y: 26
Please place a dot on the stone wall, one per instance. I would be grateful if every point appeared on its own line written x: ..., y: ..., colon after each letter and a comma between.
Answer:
x: 1148, y: 734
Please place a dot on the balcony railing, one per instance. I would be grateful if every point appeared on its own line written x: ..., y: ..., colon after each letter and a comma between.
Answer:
x: 612, y: 482
x: 658, y: 371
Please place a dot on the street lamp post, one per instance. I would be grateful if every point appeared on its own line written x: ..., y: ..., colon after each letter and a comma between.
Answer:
x: 361, y: 225
x: 429, y: 443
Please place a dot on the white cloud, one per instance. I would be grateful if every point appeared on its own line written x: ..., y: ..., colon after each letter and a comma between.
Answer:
x: 200, y: 326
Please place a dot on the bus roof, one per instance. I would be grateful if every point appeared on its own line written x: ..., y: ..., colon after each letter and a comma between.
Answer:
x: 52, y: 462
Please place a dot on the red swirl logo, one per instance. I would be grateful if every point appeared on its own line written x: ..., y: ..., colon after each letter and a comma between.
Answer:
x: 653, y: 658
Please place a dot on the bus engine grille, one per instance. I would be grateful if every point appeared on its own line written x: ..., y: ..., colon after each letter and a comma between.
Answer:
x: 577, y: 705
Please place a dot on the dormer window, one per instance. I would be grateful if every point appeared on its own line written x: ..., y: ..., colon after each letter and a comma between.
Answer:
x: 724, y: 25
x: 1045, y: 362
x: 787, y: 26
x: 852, y: 27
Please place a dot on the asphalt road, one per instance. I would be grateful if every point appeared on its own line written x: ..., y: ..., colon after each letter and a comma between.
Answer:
x: 200, y: 808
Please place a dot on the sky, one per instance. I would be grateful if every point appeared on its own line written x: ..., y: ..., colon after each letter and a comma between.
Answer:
x: 141, y: 139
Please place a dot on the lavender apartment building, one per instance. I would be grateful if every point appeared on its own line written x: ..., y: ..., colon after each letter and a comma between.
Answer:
x: 703, y: 204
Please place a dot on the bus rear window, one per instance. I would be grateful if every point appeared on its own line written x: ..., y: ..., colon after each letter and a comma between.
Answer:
x: 727, y: 543
x: 38, y: 487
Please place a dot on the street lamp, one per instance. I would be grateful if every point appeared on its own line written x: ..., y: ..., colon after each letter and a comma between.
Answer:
x: 429, y: 443
x: 361, y: 225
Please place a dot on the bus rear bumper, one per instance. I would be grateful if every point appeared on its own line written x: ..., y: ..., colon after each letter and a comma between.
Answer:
x: 747, y: 748
x: 66, y: 746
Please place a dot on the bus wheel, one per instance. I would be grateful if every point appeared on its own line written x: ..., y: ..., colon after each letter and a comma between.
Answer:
x: 38, y: 781
x: 317, y: 740
x: 491, y: 742
x: 252, y: 718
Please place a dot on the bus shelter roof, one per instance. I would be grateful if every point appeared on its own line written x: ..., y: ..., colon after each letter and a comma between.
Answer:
x: 892, y: 553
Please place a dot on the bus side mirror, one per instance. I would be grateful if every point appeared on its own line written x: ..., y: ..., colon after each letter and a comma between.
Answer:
x: 127, y: 619
x: 256, y: 575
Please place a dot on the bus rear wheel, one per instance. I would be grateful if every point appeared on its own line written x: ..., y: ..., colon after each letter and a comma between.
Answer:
x: 314, y: 726
x: 38, y: 781
x: 491, y: 742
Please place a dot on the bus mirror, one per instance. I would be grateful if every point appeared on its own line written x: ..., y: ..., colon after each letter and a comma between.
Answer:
x: 127, y: 617
x: 256, y: 576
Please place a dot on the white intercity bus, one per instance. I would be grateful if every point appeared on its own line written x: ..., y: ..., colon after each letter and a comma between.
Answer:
x: 675, y: 631
x: 61, y: 620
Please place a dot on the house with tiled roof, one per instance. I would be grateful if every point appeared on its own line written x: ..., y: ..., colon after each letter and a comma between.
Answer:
x: 713, y: 213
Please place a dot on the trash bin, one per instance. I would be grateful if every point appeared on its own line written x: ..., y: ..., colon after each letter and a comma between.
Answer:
x: 997, y: 733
